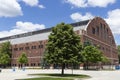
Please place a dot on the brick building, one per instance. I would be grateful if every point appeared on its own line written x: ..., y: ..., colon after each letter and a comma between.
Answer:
x: 95, y: 30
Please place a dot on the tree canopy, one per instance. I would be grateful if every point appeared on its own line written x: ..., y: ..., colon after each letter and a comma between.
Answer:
x: 5, y: 53
x: 23, y: 58
x: 5, y: 59
x: 119, y: 52
x: 118, y: 49
x: 5, y: 48
x: 92, y: 54
x: 63, y: 46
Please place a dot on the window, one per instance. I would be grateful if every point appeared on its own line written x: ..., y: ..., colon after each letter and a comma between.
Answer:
x: 38, y: 64
x: 40, y: 42
x: 34, y: 64
x: 27, y: 64
x: 93, y: 30
x: 40, y: 46
x: 15, y: 49
x: 102, y: 48
x: 107, y: 30
x: 21, y: 48
x: 27, y: 48
x: 101, y: 25
x: 31, y: 64
x: 104, y: 26
x: 97, y: 30
x: 33, y: 47
x: 26, y: 43
x: 13, y: 64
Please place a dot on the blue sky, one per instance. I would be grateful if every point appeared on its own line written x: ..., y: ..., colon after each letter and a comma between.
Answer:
x: 19, y: 16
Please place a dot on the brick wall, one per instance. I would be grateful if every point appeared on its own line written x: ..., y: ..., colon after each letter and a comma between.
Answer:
x: 99, y: 34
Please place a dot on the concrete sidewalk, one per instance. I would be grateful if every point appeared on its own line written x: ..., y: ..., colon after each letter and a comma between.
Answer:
x: 9, y: 74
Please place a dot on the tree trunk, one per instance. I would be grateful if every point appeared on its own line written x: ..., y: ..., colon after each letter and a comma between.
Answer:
x: 63, y: 67
x: 84, y: 66
x: 87, y: 66
x: 72, y: 68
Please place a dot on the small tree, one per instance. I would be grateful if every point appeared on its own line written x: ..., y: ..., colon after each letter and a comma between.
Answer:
x: 23, y: 59
x: 4, y: 59
x: 5, y: 48
x: 5, y: 53
x: 63, y: 46
x: 92, y: 54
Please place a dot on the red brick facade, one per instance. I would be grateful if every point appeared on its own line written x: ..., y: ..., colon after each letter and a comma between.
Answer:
x: 99, y: 34
x: 34, y: 51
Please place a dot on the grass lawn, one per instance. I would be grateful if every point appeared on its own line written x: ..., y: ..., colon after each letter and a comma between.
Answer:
x: 48, y: 78
x: 64, y: 76
x: 57, y: 77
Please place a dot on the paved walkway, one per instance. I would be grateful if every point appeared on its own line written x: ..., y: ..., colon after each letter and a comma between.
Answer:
x: 8, y: 74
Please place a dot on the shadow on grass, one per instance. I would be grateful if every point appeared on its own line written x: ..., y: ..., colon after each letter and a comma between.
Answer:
x: 65, y: 75
x: 56, y: 77
x: 47, y: 78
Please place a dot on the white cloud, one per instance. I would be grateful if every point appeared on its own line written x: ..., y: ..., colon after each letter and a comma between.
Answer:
x: 10, y: 8
x: 22, y: 27
x: 41, y: 6
x: 33, y: 3
x: 76, y: 3
x: 28, y: 26
x: 100, y: 3
x: 79, y: 17
x: 89, y: 3
x: 113, y: 20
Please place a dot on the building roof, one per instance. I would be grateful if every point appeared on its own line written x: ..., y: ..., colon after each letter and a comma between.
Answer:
x: 81, y: 24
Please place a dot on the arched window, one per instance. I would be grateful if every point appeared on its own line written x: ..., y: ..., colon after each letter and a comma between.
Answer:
x: 93, y: 30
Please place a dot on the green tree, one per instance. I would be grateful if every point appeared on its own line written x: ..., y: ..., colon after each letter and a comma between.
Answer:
x: 119, y: 52
x: 23, y: 59
x: 5, y: 53
x: 92, y: 54
x: 5, y: 48
x: 63, y: 46
x: 5, y: 59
